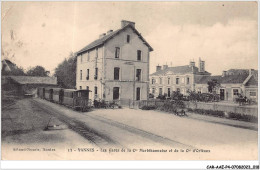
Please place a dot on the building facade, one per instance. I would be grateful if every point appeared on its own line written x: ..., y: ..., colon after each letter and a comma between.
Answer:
x: 181, y: 78
x: 115, y: 66
x: 232, y: 83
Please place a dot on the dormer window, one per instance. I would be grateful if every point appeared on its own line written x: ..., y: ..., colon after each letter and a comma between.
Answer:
x: 128, y: 38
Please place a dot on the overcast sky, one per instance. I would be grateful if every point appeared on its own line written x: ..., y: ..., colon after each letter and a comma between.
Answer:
x: 224, y: 34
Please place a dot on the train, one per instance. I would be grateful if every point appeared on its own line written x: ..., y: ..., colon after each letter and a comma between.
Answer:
x: 76, y: 99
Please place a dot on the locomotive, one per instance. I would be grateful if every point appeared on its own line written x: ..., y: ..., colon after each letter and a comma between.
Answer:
x: 76, y: 99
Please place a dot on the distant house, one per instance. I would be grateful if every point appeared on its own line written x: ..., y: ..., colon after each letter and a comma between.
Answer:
x: 116, y: 65
x: 232, y: 83
x: 180, y: 78
x: 20, y: 85
x: 8, y: 66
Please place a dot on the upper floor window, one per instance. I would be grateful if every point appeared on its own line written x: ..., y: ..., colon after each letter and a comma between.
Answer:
x: 87, y: 74
x: 169, y: 80
x: 80, y: 74
x: 96, y: 74
x: 153, y: 81
x: 188, y: 80
x: 139, y: 55
x: 117, y: 52
x: 128, y: 38
x: 160, y: 80
x: 177, y: 80
x: 116, y: 73
x: 138, y: 74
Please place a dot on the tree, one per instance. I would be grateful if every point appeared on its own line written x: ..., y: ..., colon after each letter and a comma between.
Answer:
x: 38, y: 71
x: 11, y: 69
x: 66, y: 72
x: 213, y: 85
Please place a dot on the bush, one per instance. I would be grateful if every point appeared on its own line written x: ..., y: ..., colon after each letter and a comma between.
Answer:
x: 148, y: 107
x: 243, y: 117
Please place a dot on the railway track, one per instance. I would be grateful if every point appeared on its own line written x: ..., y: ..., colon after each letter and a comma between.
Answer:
x: 101, y: 139
x: 81, y: 128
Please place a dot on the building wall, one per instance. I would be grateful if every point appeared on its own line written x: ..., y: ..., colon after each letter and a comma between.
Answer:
x: 182, y: 85
x: 106, y: 62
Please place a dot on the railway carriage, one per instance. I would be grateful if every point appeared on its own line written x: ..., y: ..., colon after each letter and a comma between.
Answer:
x: 58, y: 94
x: 68, y: 97
x: 81, y: 100
x: 49, y: 94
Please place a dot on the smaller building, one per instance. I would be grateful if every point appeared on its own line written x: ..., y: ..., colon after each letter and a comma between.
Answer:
x: 232, y: 83
x: 21, y: 85
x: 180, y: 78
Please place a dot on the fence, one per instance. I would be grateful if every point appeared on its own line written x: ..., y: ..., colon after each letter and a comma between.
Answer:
x: 253, y: 111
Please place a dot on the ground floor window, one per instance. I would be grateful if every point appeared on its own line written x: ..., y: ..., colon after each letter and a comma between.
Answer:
x: 235, y: 92
x: 80, y: 87
x: 252, y: 93
x: 138, y: 93
x: 153, y: 90
x: 160, y: 91
x: 95, y: 90
x: 169, y: 92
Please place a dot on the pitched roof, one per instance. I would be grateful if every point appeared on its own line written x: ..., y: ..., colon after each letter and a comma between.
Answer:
x: 229, y: 79
x: 104, y: 39
x: 178, y: 70
x: 34, y: 80
x: 252, y: 81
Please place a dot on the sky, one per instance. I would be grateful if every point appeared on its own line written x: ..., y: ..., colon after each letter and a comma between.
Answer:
x: 223, y: 34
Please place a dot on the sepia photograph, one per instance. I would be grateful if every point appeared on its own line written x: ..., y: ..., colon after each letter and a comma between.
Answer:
x: 129, y: 81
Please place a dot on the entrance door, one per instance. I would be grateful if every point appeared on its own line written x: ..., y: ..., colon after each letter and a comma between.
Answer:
x: 115, y: 93
x: 138, y: 93
x: 222, y: 94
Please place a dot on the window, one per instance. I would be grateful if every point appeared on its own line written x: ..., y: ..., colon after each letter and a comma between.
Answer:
x: 139, y: 55
x: 87, y: 88
x: 116, y: 73
x: 115, y: 93
x: 188, y: 80
x: 169, y: 92
x: 96, y: 74
x: 87, y: 74
x: 169, y: 80
x: 117, y: 52
x: 160, y: 80
x: 80, y: 87
x: 138, y: 74
x: 80, y: 74
x: 128, y: 38
x: 235, y: 92
x: 153, y: 81
x: 160, y: 91
x: 177, y: 80
x: 138, y: 93
x: 252, y: 93
x: 153, y: 90
x: 95, y: 90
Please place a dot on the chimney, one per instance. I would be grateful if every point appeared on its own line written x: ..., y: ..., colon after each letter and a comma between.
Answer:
x: 224, y: 73
x: 165, y: 66
x: 192, y: 64
x: 102, y: 35
x: 109, y: 31
x: 251, y: 71
x: 158, y: 68
x: 125, y: 23
x: 201, y: 66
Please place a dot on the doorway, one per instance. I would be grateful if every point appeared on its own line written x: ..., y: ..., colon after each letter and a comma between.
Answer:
x: 222, y: 94
x: 138, y: 93
x: 115, y: 93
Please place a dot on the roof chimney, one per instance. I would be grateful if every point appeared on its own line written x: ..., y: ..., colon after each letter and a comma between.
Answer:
x: 251, y: 71
x: 224, y: 73
x: 125, y: 23
x: 109, y: 31
x: 102, y: 35
x: 165, y: 66
x: 158, y: 68
x: 192, y: 64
